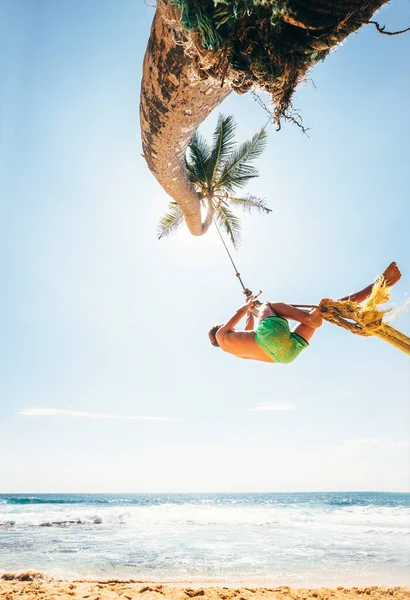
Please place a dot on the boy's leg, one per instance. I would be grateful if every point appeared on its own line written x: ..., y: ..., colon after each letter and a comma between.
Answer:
x: 391, y: 276
x: 311, y: 319
x: 279, y: 309
x: 305, y: 331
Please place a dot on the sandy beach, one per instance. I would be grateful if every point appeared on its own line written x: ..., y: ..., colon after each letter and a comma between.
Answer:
x: 28, y: 586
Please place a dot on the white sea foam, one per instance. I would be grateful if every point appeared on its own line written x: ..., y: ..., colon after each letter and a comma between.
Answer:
x: 382, y: 519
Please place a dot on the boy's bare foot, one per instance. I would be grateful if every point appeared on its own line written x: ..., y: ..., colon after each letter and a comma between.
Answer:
x: 392, y: 274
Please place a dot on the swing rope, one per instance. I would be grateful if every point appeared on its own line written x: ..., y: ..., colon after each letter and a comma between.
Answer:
x: 246, y: 291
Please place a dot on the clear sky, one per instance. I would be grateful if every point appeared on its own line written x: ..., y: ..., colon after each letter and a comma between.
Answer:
x: 99, y: 319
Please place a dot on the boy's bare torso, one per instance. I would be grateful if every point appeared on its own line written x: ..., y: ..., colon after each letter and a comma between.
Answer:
x: 243, y: 345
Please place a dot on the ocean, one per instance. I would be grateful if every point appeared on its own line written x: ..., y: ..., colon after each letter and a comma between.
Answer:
x: 292, y: 539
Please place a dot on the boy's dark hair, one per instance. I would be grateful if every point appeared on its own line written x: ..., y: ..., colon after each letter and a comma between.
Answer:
x: 212, y: 335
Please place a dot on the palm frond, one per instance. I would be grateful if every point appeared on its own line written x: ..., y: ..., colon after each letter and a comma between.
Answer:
x: 198, y: 158
x: 171, y: 221
x: 248, y: 203
x: 238, y: 163
x: 199, y: 185
x: 233, y: 182
x: 192, y: 174
x: 223, y: 143
x: 230, y: 223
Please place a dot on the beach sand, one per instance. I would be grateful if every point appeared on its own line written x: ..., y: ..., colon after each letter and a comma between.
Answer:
x: 29, y: 587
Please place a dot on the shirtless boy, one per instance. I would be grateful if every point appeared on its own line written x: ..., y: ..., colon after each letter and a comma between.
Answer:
x: 272, y: 340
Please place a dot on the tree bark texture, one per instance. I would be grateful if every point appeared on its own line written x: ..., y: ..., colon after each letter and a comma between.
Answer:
x: 174, y: 101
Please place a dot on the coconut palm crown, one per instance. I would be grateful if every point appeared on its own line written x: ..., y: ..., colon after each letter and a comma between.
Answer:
x: 217, y: 173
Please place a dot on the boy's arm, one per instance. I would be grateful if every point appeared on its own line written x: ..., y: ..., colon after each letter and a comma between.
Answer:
x: 234, y: 320
x: 250, y: 322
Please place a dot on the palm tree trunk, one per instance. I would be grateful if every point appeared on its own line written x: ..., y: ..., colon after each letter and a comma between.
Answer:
x: 174, y: 101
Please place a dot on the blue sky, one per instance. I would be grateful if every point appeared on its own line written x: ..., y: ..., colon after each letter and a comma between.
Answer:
x: 98, y: 318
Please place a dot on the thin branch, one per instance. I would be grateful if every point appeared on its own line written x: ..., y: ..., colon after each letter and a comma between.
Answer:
x: 262, y: 104
x: 382, y: 29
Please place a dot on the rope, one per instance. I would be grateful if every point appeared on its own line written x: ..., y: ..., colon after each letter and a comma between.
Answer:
x: 309, y: 306
x: 246, y: 291
x: 366, y: 319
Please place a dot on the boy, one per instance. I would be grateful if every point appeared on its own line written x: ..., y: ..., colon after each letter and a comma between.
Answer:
x: 272, y: 340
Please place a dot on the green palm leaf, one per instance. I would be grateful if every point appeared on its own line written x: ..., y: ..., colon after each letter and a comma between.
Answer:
x: 217, y: 172
x: 223, y: 143
x: 233, y: 182
x: 248, y: 203
x: 170, y: 222
x: 229, y: 223
x: 238, y: 163
x: 198, y: 158
x: 200, y: 186
x: 192, y: 174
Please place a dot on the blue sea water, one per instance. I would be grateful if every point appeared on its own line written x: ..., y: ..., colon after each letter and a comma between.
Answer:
x: 294, y: 539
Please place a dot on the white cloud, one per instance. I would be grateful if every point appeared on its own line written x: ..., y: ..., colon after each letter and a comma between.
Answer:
x: 369, y: 440
x: 275, y: 406
x: 51, y: 412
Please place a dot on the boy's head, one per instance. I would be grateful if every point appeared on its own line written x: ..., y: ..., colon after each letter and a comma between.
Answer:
x: 212, y: 335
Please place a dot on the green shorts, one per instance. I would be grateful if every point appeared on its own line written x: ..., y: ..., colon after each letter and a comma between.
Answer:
x: 275, y: 338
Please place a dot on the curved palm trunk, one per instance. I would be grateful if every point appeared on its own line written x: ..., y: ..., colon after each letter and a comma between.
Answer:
x: 174, y: 101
